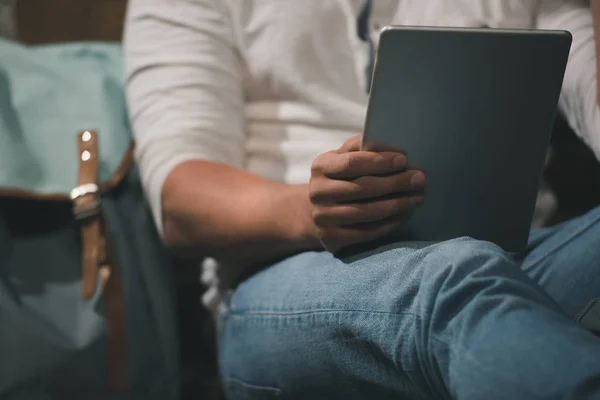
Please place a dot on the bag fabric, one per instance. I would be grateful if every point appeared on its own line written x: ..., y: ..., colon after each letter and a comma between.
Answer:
x: 47, y: 95
x: 54, y: 342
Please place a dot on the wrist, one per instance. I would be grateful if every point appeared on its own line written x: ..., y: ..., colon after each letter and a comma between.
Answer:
x: 303, y: 230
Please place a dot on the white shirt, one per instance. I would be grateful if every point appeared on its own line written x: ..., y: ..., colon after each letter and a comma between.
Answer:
x: 268, y: 85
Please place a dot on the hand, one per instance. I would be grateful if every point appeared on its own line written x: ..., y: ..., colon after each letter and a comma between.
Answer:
x: 359, y: 196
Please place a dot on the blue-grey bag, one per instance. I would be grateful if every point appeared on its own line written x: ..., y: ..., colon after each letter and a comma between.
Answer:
x: 87, y: 301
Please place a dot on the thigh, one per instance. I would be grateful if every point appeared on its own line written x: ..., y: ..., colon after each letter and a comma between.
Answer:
x: 320, y: 327
x: 565, y: 261
x: 380, y: 325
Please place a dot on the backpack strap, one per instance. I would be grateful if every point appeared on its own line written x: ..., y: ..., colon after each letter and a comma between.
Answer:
x: 86, y: 208
x: 97, y: 262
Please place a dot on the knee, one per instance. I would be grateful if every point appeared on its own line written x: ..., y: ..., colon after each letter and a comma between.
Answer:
x: 453, y: 261
x: 458, y: 270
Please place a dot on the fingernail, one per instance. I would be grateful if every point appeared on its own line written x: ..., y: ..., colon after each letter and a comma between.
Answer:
x: 417, y: 199
x: 417, y: 180
x: 399, y: 162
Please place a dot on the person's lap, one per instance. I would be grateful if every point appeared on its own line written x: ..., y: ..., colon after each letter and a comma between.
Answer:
x: 416, y: 319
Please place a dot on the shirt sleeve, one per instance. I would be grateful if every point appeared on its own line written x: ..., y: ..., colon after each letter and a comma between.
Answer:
x: 578, y: 101
x: 183, y: 86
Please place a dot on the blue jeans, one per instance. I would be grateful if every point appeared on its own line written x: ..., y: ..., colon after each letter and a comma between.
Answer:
x: 459, y: 319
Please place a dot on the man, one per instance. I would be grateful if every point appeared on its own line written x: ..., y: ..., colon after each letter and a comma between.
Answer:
x: 245, y: 115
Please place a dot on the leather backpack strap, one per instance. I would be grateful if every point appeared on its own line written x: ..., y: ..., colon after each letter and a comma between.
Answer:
x: 116, y: 324
x: 86, y: 208
x: 97, y: 262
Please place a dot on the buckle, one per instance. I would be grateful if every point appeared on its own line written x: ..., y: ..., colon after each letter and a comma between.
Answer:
x: 87, y: 209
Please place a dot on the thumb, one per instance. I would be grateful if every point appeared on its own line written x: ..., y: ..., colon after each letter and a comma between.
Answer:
x: 352, y: 144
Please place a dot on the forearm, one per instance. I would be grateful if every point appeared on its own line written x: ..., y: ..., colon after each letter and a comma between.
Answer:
x: 214, y: 210
x: 595, y: 4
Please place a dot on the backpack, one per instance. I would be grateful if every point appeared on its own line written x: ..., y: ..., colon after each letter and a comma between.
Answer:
x: 87, y: 295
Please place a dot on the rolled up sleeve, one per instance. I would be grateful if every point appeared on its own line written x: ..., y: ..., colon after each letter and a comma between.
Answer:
x: 184, y: 90
x: 578, y: 101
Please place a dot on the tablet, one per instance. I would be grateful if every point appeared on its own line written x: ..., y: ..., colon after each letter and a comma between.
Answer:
x: 474, y: 109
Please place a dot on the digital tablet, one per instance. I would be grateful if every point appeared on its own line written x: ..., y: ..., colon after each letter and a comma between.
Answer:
x: 474, y: 109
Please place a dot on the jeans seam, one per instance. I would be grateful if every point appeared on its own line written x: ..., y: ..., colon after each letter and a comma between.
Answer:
x: 562, y: 243
x: 587, y: 307
x: 317, y: 311
x: 276, y: 391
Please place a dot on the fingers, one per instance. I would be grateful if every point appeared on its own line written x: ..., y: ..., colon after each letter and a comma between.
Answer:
x: 328, y: 191
x: 358, y: 163
x: 337, y: 238
x: 359, y: 196
x: 355, y: 144
x: 352, y: 144
x: 371, y: 211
